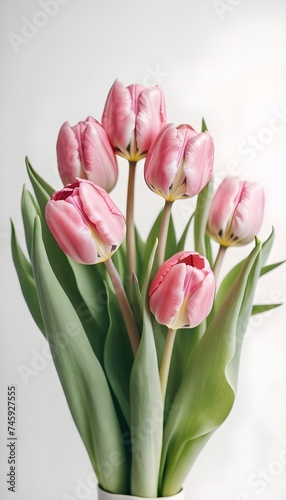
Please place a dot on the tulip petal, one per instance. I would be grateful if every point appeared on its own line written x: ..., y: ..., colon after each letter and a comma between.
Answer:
x: 106, y: 217
x: 248, y: 213
x: 135, y: 90
x: 151, y: 116
x: 199, y: 158
x: 118, y: 118
x: 99, y: 161
x: 223, y: 205
x: 166, y: 301
x: 72, y: 235
x: 201, y: 300
x: 161, y: 162
x: 69, y: 164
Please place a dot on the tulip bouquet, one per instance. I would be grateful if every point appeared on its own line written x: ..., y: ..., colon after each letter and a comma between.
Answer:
x: 145, y: 342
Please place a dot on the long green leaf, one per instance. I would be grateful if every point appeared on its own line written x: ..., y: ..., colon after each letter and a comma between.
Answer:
x: 26, y: 279
x: 64, y: 272
x: 206, y: 395
x: 47, y: 188
x: 261, y: 308
x: 118, y: 357
x: 270, y: 267
x: 146, y: 409
x: 182, y: 240
x: 231, y: 277
x: 201, y: 217
x: 30, y: 209
x: 81, y: 375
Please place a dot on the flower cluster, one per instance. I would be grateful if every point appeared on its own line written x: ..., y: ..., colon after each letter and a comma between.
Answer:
x: 127, y: 367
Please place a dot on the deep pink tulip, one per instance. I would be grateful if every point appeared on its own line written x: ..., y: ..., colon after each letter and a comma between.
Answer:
x: 84, y: 151
x: 179, y: 163
x: 236, y: 212
x: 85, y: 222
x: 132, y: 117
x: 182, y: 292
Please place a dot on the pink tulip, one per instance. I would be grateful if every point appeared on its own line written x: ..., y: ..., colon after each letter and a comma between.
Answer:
x: 236, y: 212
x: 182, y: 292
x: 84, y: 151
x: 132, y: 118
x: 179, y: 163
x: 85, y: 222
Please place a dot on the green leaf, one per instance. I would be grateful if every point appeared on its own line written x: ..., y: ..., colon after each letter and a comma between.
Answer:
x: 140, y: 248
x: 201, y: 218
x: 30, y: 209
x: 260, y: 308
x: 270, y: 267
x: 49, y: 189
x: 118, y: 357
x: 146, y: 409
x: 182, y: 240
x: 209, y: 253
x: 27, y: 282
x: 231, y: 277
x: 206, y: 394
x: 64, y: 271
x: 81, y: 375
x: 171, y: 240
x: 204, y: 126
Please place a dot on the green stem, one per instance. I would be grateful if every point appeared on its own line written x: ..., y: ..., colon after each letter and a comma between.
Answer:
x: 126, y: 310
x: 166, y: 360
x: 218, y: 261
x: 164, y: 232
x: 130, y: 232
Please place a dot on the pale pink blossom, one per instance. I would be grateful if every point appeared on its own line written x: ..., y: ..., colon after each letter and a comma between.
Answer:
x: 132, y: 117
x: 84, y: 151
x: 182, y: 292
x: 179, y: 163
x: 236, y: 212
x: 85, y: 222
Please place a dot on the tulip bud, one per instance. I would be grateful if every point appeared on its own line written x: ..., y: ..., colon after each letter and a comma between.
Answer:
x: 85, y: 222
x: 132, y: 117
x: 179, y: 163
x: 236, y: 212
x: 84, y: 151
x: 182, y: 292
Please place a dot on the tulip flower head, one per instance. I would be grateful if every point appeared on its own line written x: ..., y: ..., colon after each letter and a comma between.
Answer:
x: 180, y: 162
x: 132, y: 118
x: 84, y: 151
x: 236, y: 212
x: 85, y: 222
x: 182, y: 292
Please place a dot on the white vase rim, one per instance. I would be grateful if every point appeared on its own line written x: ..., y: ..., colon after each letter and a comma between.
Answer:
x: 105, y: 495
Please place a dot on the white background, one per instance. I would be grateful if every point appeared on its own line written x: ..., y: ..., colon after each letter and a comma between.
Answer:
x: 225, y: 61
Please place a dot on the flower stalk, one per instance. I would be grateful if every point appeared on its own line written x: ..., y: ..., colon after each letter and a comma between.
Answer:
x: 130, y: 232
x: 124, y: 305
x: 164, y: 231
x: 218, y: 261
x: 166, y: 360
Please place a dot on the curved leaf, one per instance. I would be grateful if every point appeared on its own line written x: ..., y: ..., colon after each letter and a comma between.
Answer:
x: 27, y: 282
x: 201, y: 218
x: 30, y: 209
x: 64, y: 271
x: 81, y: 375
x: 206, y: 395
x: 118, y: 357
x: 257, y: 309
x: 146, y: 407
